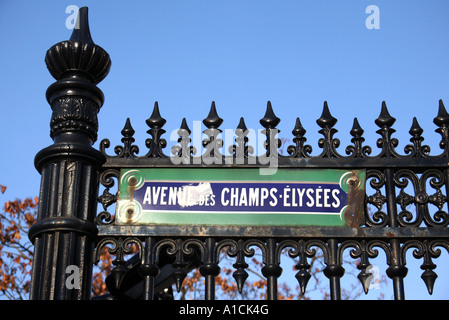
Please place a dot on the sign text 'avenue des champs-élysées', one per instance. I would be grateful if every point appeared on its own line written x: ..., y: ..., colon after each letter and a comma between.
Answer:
x: 240, y: 197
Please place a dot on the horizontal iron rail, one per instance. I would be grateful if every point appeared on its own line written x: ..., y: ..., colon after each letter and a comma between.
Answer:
x: 418, y: 164
x: 272, y: 231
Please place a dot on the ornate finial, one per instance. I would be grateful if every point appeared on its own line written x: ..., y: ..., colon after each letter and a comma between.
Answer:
x: 356, y: 131
x: 269, y: 120
x: 240, y: 150
x: 326, y: 120
x: 155, y: 144
x: 328, y: 143
x: 357, y: 150
x: 443, y: 117
x: 184, y: 126
x: 385, y: 120
x: 300, y: 150
x: 155, y: 121
x: 298, y: 131
x: 442, y: 121
x: 417, y: 149
x: 79, y: 56
x: 386, y: 143
x: 242, y: 125
x: 128, y: 150
x: 78, y: 65
x: 416, y: 130
x: 213, y: 121
x: 184, y: 151
x: 128, y: 131
x: 82, y: 33
x: 214, y: 143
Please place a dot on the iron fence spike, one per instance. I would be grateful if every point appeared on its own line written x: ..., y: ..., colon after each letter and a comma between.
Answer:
x: 270, y: 120
x: 443, y: 117
x: 156, y: 121
x: 81, y: 32
x: 385, y: 119
x: 326, y: 119
x: 213, y: 121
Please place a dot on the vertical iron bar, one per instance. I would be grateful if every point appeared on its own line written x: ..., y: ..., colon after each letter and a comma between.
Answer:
x: 396, y: 271
x: 210, y: 269
x: 271, y: 270
x: 210, y: 278
x: 446, y: 176
x: 334, y: 271
x: 148, y: 270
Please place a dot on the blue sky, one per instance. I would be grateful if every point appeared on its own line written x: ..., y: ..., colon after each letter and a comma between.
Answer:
x: 240, y: 54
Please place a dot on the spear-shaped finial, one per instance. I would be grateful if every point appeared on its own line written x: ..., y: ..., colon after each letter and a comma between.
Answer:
x: 326, y: 119
x: 79, y: 56
x: 443, y: 117
x: 81, y: 32
x: 270, y: 120
x: 384, y: 119
x: 213, y: 121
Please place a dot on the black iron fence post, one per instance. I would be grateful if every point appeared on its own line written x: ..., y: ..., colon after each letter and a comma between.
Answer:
x: 64, y: 234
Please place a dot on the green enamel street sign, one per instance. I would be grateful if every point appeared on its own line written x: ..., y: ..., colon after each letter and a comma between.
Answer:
x: 240, y: 197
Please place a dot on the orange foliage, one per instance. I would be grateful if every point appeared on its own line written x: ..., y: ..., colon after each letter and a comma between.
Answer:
x: 16, y: 254
x: 104, y: 268
x: 16, y: 251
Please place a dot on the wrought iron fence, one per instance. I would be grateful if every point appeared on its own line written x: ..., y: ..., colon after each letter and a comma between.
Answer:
x: 395, y: 181
x: 390, y: 226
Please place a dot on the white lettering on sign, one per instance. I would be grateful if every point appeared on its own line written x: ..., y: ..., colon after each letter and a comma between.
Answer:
x: 203, y: 195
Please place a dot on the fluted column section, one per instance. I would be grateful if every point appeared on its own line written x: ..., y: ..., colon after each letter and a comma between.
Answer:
x: 64, y: 234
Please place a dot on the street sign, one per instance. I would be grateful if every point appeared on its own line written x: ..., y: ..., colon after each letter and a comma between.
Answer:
x: 240, y: 197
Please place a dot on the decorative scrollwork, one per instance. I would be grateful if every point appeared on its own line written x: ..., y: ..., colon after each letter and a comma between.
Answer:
x: 425, y: 250
x: 74, y: 113
x: 213, y: 144
x: 362, y: 250
x: 299, y: 150
x: 421, y: 199
x: 175, y: 248
x: 437, y: 181
x: 183, y: 152
x: 378, y: 218
x: 107, y: 177
x: 107, y: 199
x: 416, y: 149
x: 357, y: 150
x: 128, y: 150
x: 239, y: 251
x: 300, y: 249
x: 403, y: 199
x: 120, y: 248
x: 241, y: 150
